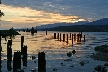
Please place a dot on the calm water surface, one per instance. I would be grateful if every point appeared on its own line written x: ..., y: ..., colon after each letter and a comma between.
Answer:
x: 56, y: 51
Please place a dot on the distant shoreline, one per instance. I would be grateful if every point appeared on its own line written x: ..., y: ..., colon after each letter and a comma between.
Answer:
x: 79, y: 28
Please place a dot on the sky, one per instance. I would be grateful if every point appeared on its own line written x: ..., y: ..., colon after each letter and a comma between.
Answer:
x: 31, y: 13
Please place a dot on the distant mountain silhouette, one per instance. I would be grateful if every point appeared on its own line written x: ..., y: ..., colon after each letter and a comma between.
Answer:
x: 85, y: 26
x: 95, y: 26
x: 103, y: 21
x: 60, y: 24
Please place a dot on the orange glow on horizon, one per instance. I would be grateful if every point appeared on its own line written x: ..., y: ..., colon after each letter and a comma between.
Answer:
x: 25, y: 15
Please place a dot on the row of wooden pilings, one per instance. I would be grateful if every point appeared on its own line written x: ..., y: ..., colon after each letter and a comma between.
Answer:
x: 73, y: 37
x: 21, y: 55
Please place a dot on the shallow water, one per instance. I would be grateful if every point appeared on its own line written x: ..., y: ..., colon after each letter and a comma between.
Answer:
x: 56, y: 51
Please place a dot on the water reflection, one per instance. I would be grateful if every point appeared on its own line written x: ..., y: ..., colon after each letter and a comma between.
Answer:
x: 56, y: 51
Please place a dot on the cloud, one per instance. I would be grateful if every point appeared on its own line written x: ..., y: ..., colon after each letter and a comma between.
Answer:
x: 94, y: 9
x: 37, y: 12
x: 28, y: 16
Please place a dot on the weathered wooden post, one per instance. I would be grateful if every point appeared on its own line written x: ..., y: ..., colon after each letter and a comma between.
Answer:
x: 46, y: 32
x: 41, y: 62
x: 0, y: 52
x: 70, y: 36
x: 67, y: 38
x: 24, y: 56
x: 54, y: 35
x: 9, y: 55
x: 84, y: 38
x: 22, y: 42
x: 0, y: 40
x: 81, y: 34
x: 9, y: 50
x: 78, y: 37
x: 72, y: 39
x: 74, y: 36
x: 60, y: 37
x: 17, y: 61
x: 63, y: 37
x: 32, y: 31
x: 0, y: 43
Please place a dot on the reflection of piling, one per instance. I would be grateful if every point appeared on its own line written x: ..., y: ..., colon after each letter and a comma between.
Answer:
x: 67, y: 38
x: 16, y: 61
x: 22, y: 42
x: 63, y: 37
x: 84, y: 38
x: 72, y: 39
x: 58, y: 36
x: 70, y: 36
x: 24, y: 56
x: 9, y: 67
x: 46, y: 32
x: 54, y: 35
x: 41, y: 62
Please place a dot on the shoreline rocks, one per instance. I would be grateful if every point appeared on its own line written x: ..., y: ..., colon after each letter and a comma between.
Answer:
x: 102, y: 48
x: 102, y: 54
x: 100, y: 57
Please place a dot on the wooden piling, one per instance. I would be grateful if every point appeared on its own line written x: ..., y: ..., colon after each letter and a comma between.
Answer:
x: 67, y: 38
x: 9, y: 50
x: 9, y: 55
x: 70, y: 36
x: 0, y: 53
x: 84, y: 38
x: 17, y: 61
x: 41, y: 62
x: 32, y: 31
x: 46, y: 32
x: 60, y: 37
x: 81, y: 34
x: 22, y: 42
x: 78, y: 37
x: 0, y: 40
x: 63, y: 37
x: 72, y: 39
x: 74, y: 36
x: 54, y: 35
x: 24, y: 56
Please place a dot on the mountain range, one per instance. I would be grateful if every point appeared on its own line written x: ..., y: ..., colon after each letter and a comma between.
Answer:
x: 60, y: 24
x: 103, y: 21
